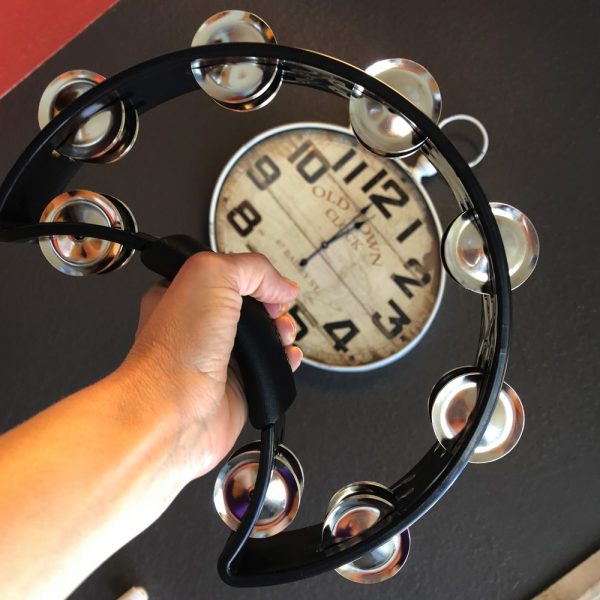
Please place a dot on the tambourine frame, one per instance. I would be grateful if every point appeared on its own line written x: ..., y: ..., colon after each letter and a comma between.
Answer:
x: 41, y: 173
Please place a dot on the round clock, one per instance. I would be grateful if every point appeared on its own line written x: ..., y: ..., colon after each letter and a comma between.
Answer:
x: 356, y: 230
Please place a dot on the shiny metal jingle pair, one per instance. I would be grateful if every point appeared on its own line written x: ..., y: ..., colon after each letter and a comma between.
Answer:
x: 453, y: 399
x: 78, y: 256
x: 352, y: 510
x: 244, y: 86
x: 106, y: 136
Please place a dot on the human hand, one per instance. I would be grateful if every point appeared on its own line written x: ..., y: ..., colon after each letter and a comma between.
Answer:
x: 180, y: 361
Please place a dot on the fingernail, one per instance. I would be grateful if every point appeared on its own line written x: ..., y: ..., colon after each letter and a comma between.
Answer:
x: 292, y: 333
x: 297, y: 358
x: 274, y: 310
x: 292, y: 283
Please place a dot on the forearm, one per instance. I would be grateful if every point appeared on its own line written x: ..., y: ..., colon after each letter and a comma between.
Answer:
x: 78, y: 481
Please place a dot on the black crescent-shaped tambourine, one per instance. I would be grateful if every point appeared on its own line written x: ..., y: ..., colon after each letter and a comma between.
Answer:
x: 393, y: 112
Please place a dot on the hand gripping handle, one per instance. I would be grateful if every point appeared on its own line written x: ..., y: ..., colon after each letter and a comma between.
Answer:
x: 266, y: 373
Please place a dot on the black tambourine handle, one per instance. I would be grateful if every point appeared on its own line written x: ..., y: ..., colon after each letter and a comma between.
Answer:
x: 266, y: 374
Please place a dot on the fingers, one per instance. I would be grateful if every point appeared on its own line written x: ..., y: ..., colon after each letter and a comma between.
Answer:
x: 287, y: 328
x: 248, y: 274
x: 277, y: 309
x: 294, y: 356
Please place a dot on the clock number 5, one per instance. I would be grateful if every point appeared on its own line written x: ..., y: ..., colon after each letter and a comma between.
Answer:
x: 302, y: 327
x: 244, y: 218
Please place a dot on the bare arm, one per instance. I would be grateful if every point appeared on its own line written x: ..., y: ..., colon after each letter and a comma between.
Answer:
x: 88, y: 474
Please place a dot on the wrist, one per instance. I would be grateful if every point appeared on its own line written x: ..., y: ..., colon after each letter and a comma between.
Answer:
x: 158, y: 405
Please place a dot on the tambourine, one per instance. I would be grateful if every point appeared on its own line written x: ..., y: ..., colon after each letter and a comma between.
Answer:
x: 393, y: 111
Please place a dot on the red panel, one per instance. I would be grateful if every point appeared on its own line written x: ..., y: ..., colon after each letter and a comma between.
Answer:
x: 31, y: 31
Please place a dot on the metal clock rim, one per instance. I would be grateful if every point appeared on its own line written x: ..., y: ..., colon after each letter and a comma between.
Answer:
x: 273, y: 131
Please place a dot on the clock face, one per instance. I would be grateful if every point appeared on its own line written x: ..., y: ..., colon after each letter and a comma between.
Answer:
x: 357, y: 231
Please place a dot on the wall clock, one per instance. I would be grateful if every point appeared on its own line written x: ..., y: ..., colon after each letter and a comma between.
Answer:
x: 358, y: 231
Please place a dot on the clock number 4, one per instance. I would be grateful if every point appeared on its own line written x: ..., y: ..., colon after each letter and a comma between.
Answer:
x: 244, y: 218
x: 341, y: 332
x: 349, y: 329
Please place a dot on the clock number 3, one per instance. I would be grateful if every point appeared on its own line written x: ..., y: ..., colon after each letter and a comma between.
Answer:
x: 398, y: 321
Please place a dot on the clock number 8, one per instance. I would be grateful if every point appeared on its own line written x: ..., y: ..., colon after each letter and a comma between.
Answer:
x: 244, y: 218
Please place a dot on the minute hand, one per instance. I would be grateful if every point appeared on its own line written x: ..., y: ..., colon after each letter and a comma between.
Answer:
x: 352, y: 225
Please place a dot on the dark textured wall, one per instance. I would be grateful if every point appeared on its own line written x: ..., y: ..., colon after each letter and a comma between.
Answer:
x: 528, y: 70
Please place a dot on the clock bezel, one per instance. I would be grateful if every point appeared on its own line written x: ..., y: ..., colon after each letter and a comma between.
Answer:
x: 413, y: 174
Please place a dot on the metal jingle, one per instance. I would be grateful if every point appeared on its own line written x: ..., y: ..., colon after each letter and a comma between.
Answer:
x: 464, y: 256
x: 360, y: 487
x: 382, y: 131
x: 354, y: 509
x: 100, y: 133
x: 452, y: 401
x: 77, y: 256
x: 126, y: 141
x: 235, y: 484
x: 239, y: 86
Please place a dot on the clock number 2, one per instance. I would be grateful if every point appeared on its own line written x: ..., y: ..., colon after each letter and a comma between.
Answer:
x: 400, y: 319
x: 341, y: 342
x: 244, y: 218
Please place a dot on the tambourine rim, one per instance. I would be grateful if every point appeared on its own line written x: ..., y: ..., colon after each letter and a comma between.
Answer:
x: 493, y: 345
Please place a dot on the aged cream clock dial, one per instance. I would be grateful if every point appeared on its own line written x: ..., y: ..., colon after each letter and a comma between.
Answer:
x: 357, y: 231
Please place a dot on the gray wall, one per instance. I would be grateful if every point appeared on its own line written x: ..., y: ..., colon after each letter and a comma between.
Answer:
x: 528, y: 70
